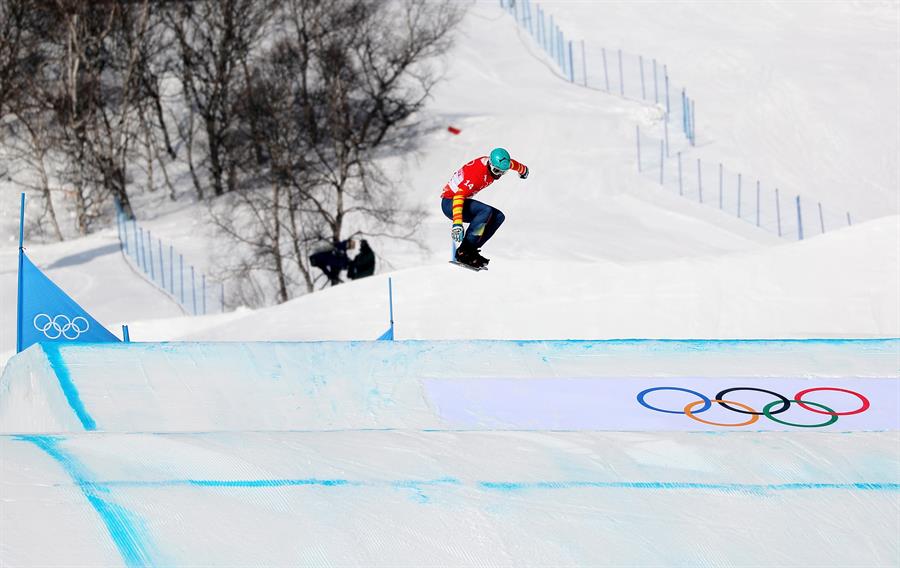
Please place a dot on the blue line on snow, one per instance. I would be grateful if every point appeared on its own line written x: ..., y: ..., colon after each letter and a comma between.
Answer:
x: 265, y: 483
x: 51, y: 350
x: 663, y: 485
x: 513, y: 485
x: 122, y: 525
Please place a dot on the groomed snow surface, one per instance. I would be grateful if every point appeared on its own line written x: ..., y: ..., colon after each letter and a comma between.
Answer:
x: 377, y: 454
x: 448, y: 450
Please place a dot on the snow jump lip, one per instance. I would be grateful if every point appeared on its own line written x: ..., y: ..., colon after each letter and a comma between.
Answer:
x: 604, y: 385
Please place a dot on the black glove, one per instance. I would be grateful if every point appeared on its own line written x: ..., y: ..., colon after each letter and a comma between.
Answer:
x: 524, y: 174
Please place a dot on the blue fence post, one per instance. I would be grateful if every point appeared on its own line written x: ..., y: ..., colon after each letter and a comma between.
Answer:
x: 138, y: 244
x: 562, y: 51
x: 605, y: 68
x: 666, y: 76
x: 540, y: 26
x: 162, y: 267
x: 137, y: 248
x: 666, y: 135
x: 203, y: 288
x: 684, y: 127
x: 583, y: 63
x: 655, y: 84
x: 552, y: 38
x: 125, y: 336
x: 687, y: 117
x: 638, y: 130
x: 20, y: 276
x: 849, y: 222
x: 699, y: 181
x: 662, y: 161
x: 560, y: 58
x: 532, y: 21
x: 739, y: 196
x: 821, y: 219
x: 621, y: 76
x: 778, y: 211
x: 799, y: 221
x: 757, y: 203
x: 558, y: 45
x: 391, y: 304
x: 119, y: 225
x: 528, y: 17
x: 680, y: 184
x: 571, y: 64
x: 143, y: 262
x: 172, y: 269
x: 721, y: 183
x: 125, y: 235
x: 693, y: 123
x: 548, y: 36
x: 193, y: 291
x: 545, y: 34
x: 643, y: 88
x: 181, y: 276
x: 150, y: 248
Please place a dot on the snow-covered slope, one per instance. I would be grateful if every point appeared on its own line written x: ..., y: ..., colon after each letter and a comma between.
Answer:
x: 818, y: 288
x: 589, y: 249
x: 802, y: 95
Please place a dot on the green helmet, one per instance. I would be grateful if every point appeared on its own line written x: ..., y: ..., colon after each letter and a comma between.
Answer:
x: 500, y: 159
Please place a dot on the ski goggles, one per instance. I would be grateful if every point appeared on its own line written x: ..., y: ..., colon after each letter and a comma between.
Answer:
x: 495, y: 170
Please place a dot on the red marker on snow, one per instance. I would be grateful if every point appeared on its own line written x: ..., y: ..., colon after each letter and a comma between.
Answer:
x: 454, y: 130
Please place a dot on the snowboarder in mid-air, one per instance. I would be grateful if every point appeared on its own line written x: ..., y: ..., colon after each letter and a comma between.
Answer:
x: 483, y: 220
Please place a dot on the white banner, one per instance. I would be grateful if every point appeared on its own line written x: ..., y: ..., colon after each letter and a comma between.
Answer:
x: 665, y: 404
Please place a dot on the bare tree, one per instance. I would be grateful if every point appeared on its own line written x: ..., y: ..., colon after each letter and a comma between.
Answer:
x: 215, y: 38
x: 261, y: 216
x: 31, y: 149
x: 337, y: 92
x: 81, y: 93
x: 363, y: 75
x: 26, y: 132
x: 20, y: 52
x: 286, y: 112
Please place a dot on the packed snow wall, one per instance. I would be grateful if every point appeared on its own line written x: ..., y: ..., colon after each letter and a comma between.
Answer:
x: 528, y: 385
x: 497, y: 453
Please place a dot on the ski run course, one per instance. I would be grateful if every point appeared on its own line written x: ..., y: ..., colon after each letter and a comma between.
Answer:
x: 510, y: 426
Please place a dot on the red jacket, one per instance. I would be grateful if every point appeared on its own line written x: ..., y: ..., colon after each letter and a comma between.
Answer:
x: 469, y: 180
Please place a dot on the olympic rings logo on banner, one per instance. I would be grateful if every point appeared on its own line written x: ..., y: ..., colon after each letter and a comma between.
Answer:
x: 769, y: 410
x: 61, y: 326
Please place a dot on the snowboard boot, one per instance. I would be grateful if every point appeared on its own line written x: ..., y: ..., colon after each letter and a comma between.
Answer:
x: 481, y: 259
x: 468, y: 255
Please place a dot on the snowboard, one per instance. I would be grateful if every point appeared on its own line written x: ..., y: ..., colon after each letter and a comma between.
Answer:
x: 472, y: 268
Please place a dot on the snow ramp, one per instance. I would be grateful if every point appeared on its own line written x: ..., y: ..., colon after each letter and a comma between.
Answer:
x: 454, y: 453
